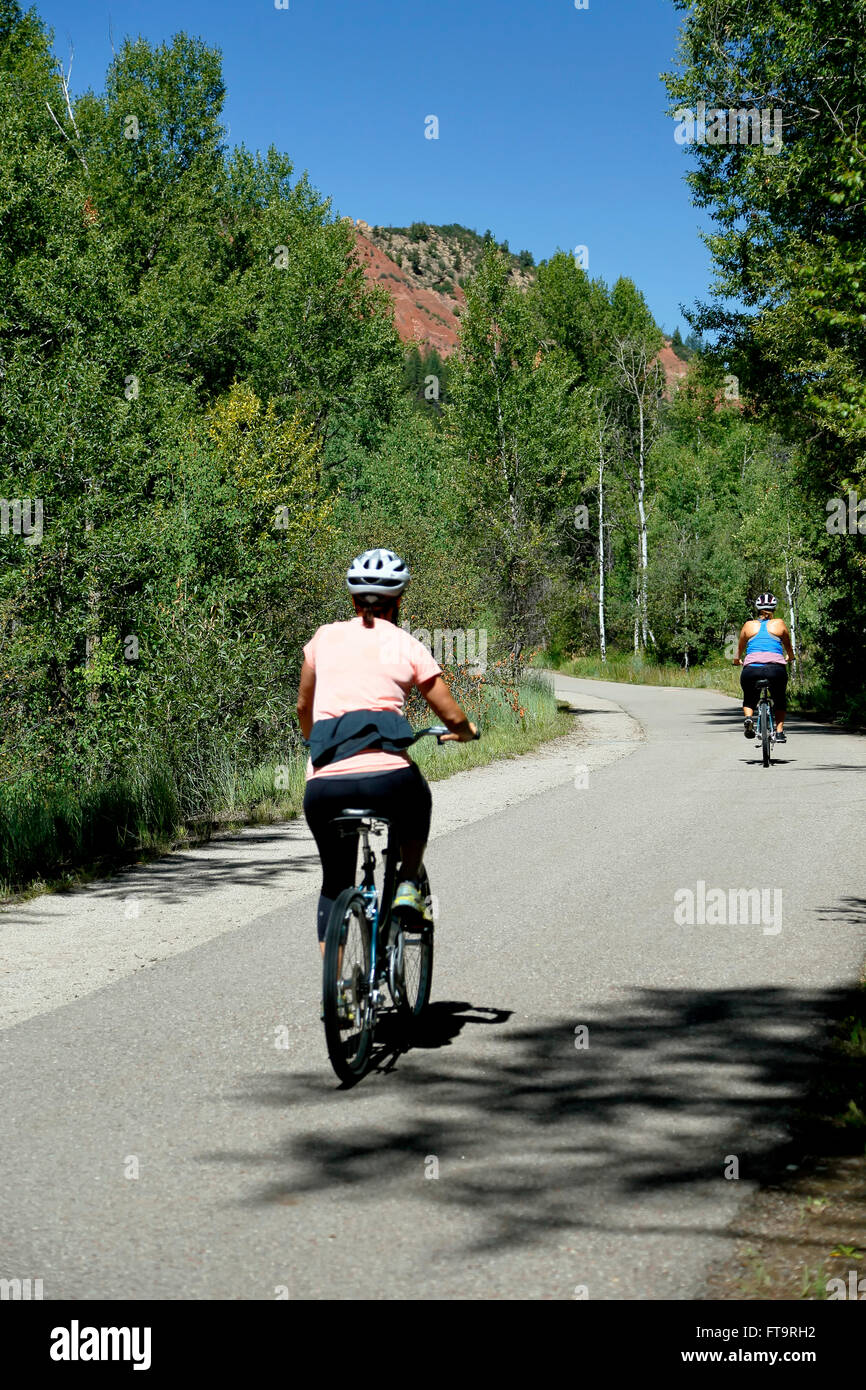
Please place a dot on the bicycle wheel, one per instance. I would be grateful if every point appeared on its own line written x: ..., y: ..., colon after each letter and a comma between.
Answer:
x: 345, y: 989
x: 765, y: 734
x: 411, y: 974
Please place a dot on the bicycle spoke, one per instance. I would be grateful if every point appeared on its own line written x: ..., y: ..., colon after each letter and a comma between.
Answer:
x: 346, y: 986
x: 413, y: 986
x: 404, y: 966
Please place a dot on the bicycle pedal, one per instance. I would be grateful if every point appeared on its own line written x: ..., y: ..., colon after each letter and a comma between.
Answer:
x: 412, y: 921
x: 346, y: 1013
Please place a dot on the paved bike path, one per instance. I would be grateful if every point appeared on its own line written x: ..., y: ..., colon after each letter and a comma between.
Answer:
x: 498, y: 1159
x: 62, y: 946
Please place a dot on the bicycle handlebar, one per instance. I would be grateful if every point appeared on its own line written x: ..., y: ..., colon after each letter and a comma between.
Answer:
x: 437, y: 730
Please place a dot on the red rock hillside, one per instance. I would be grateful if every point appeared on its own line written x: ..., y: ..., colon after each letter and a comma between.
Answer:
x: 675, y: 369
x: 432, y: 319
x: 425, y: 316
x: 676, y: 372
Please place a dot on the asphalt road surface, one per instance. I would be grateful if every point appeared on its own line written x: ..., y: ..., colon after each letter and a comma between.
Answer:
x: 605, y: 1048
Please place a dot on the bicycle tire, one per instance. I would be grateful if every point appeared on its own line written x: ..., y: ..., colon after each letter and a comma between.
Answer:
x: 412, y: 993
x: 765, y: 735
x: 349, y: 1054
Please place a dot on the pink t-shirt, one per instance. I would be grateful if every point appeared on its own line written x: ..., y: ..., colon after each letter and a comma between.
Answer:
x: 358, y: 667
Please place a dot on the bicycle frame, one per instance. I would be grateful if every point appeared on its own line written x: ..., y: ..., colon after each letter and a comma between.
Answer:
x: 766, y: 699
x: 352, y: 1002
x: 379, y: 924
x: 378, y: 912
x: 765, y: 711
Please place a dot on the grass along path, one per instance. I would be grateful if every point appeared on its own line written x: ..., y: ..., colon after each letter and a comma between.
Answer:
x: 49, y: 847
x: 636, y: 670
x: 806, y: 696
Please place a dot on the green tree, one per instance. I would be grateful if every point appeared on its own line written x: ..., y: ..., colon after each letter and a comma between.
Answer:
x: 679, y: 346
x: 574, y: 315
x: 639, y: 394
x: 790, y: 227
x: 148, y: 276
x: 520, y: 424
x: 790, y: 215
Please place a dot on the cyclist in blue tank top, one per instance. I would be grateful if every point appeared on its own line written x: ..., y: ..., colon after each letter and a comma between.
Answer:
x: 764, y: 652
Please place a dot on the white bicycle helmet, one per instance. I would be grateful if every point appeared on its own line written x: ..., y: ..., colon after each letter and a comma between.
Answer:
x: 766, y: 601
x: 377, y: 574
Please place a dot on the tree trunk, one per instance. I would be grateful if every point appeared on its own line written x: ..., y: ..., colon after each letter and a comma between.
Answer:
x: 642, y: 551
x: 91, y: 641
x: 686, y: 625
x: 791, y: 593
x: 602, y: 639
x: 644, y: 386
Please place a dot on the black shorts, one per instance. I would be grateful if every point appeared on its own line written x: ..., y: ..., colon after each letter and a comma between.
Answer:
x: 776, y: 676
x: 403, y: 796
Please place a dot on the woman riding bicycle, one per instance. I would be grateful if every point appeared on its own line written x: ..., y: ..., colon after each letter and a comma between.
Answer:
x: 354, y: 681
x: 764, y: 652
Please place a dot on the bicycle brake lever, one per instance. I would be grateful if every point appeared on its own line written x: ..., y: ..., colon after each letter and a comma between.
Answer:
x: 476, y: 735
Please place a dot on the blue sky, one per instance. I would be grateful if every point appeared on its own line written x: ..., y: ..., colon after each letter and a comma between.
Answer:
x: 552, y: 130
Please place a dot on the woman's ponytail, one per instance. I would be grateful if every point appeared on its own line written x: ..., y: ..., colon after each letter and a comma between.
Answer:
x: 381, y: 608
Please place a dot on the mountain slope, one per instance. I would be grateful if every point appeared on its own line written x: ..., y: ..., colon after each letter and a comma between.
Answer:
x: 423, y: 315
x: 422, y: 266
x: 441, y: 258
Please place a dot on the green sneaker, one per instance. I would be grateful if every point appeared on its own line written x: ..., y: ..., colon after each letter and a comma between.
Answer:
x: 345, y: 1012
x: 410, y: 900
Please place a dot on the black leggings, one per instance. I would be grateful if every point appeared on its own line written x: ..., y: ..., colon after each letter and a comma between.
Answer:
x: 776, y: 676
x: 403, y: 796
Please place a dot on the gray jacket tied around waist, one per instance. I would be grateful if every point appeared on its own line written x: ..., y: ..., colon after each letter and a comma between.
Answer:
x: 333, y: 740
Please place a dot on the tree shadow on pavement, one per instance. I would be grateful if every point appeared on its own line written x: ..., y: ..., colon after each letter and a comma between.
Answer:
x: 731, y: 717
x: 540, y: 1128
x: 267, y: 857
x: 835, y: 767
x: 852, y: 908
